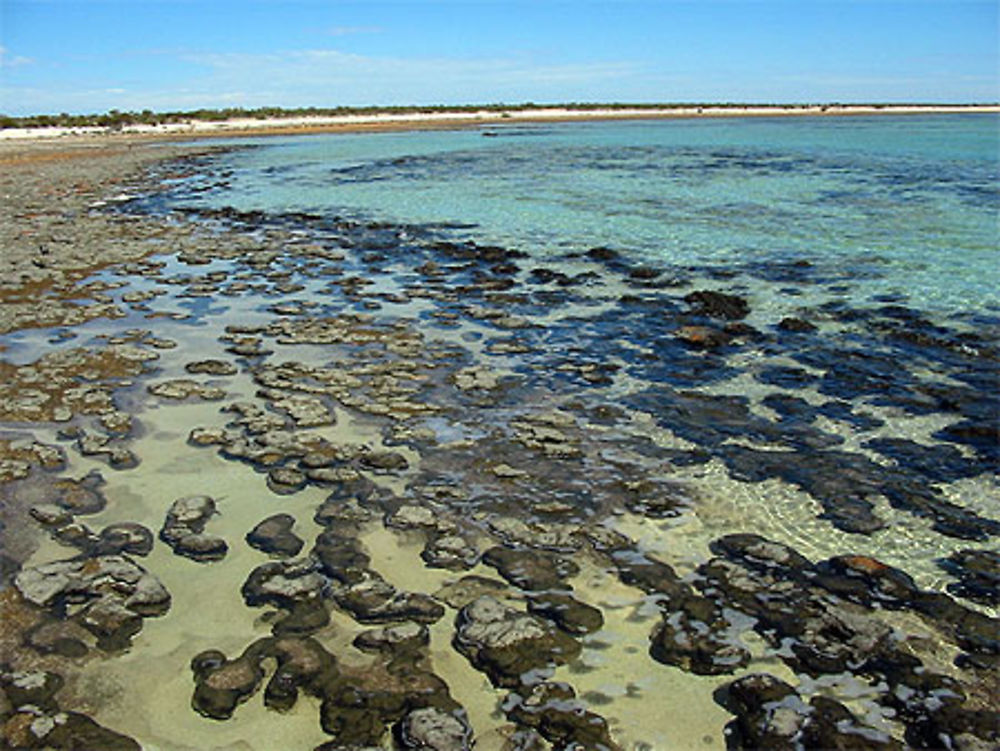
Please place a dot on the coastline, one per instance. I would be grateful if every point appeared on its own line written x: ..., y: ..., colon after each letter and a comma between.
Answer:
x: 458, y: 119
x: 52, y: 187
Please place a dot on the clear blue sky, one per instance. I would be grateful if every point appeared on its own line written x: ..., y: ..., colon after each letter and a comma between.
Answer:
x: 95, y: 55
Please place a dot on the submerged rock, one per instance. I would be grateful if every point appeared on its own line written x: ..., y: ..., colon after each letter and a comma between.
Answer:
x: 372, y: 599
x: 572, y: 616
x: 125, y: 537
x: 294, y: 586
x: 772, y: 715
x: 718, y: 304
x: 978, y: 573
x: 531, y: 569
x: 82, y: 496
x: 450, y: 551
x: 407, y: 638
x: 57, y: 636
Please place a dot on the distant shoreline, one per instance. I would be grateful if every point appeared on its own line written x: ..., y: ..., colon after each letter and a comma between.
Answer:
x: 464, y: 117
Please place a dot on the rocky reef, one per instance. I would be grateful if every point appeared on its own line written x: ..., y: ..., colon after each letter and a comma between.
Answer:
x: 432, y: 475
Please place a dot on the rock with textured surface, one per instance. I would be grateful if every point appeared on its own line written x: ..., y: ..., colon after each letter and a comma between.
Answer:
x: 506, y: 643
x: 274, y: 535
x: 117, y: 593
x: 184, y: 527
x: 433, y: 729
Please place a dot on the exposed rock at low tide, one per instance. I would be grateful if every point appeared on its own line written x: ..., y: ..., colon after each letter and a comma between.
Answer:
x: 552, y: 710
x: 357, y: 704
x: 116, y: 593
x: 183, y: 388
x: 507, y: 644
x: 211, y: 367
x: 274, y: 535
x: 184, y: 528
x: 433, y: 729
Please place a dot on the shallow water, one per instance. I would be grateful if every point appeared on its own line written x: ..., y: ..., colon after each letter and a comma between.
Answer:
x: 901, y: 205
x: 878, y: 231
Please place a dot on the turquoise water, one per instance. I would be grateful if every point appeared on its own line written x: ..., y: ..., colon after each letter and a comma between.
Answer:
x: 903, y: 206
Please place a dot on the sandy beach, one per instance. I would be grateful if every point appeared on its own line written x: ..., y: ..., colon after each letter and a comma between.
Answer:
x: 444, y: 119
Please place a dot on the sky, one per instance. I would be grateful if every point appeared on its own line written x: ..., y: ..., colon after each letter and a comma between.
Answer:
x: 84, y: 56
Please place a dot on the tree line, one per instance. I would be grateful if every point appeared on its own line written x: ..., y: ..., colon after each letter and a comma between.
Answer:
x: 114, y: 119
x: 118, y: 119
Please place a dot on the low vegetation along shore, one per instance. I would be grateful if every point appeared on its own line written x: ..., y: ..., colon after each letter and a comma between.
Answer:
x: 271, y: 119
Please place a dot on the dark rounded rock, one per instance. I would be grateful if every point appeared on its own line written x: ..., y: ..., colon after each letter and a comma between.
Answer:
x: 552, y: 710
x: 693, y: 637
x: 122, y: 458
x: 274, y: 535
x: 506, y: 644
x: 451, y: 552
x: 62, y: 637
x: 372, y: 599
x: 201, y: 547
x: 341, y: 557
x: 384, y: 462
x: 572, y: 616
x: 76, y: 535
x: 283, y: 583
x: 285, y: 480
x: 867, y: 580
x: 183, y: 529
x: 644, y: 273
x: 718, y: 304
x: 978, y: 573
x: 796, y: 326
x: 530, y: 569
x: 760, y: 553
x: 211, y: 367
x: 403, y: 639
x: 222, y: 684
x: 51, y: 515
x: 770, y: 714
x: 602, y: 254
x: 357, y: 709
x: 433, y: 729
x: 81, y: 496
x: 125, y: 537
x: 37, y: 688
x: 703, y: 337
x: 112, y: 623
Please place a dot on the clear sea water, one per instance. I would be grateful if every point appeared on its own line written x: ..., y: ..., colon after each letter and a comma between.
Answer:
x: 905, y: 206
x: 790, y: 213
